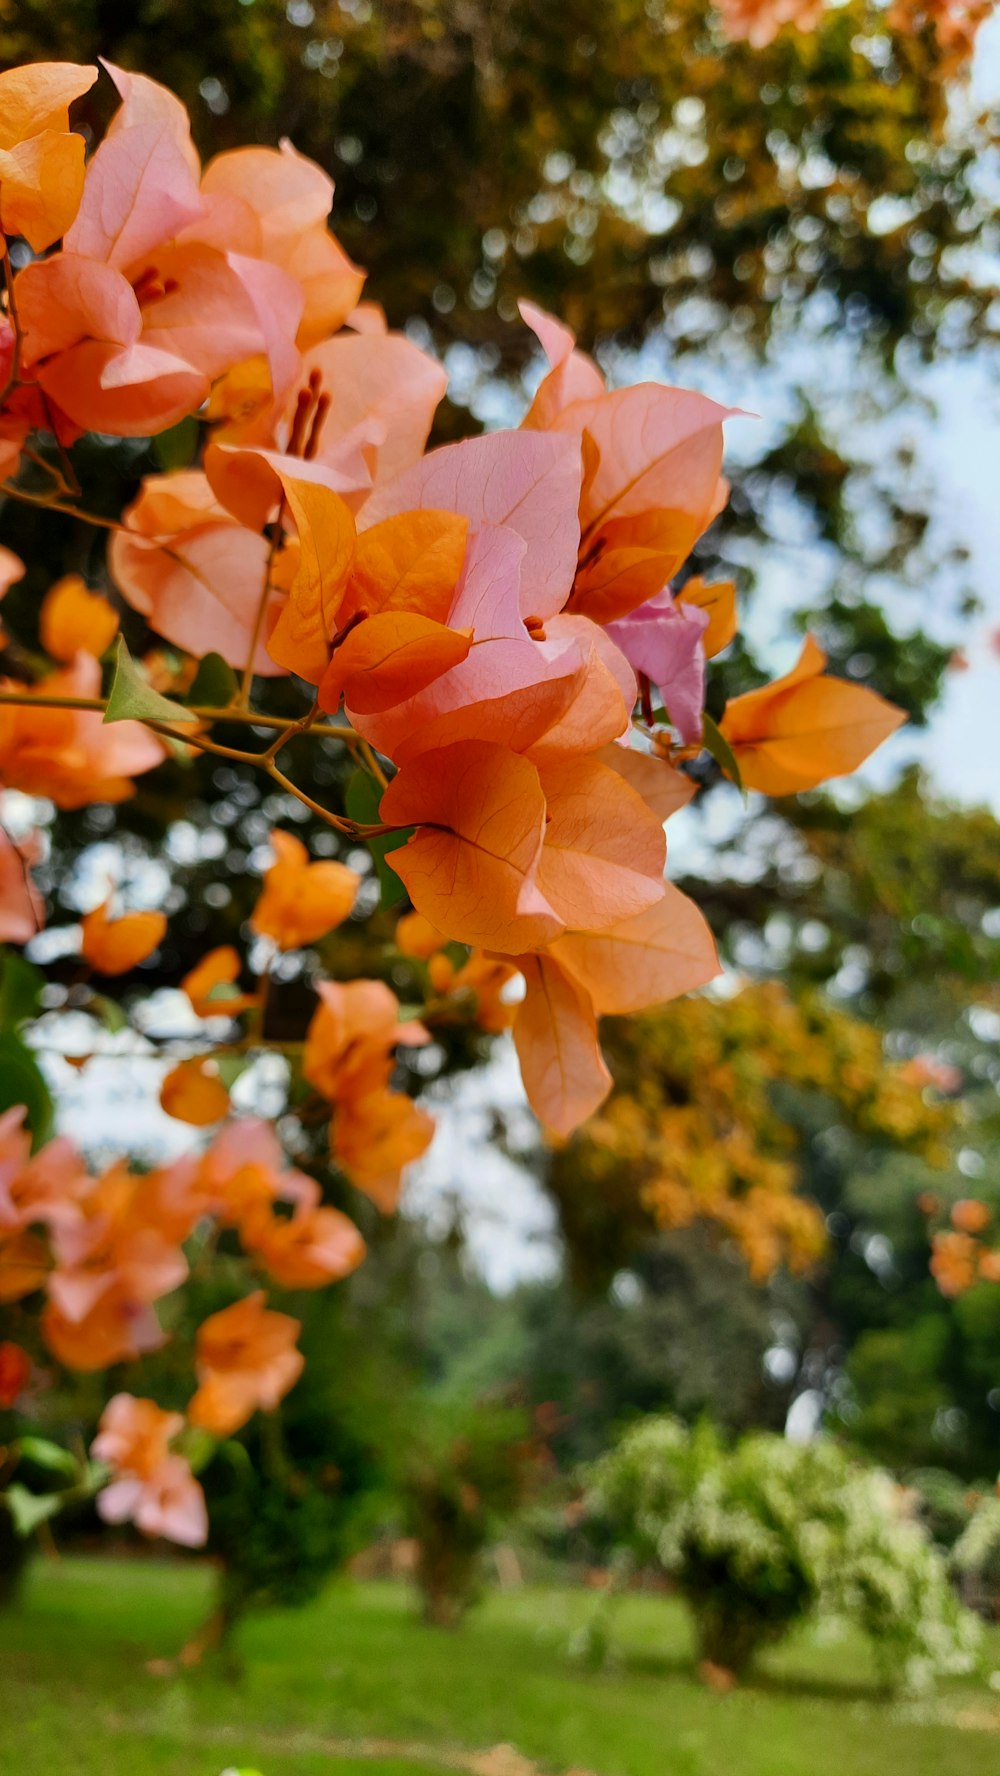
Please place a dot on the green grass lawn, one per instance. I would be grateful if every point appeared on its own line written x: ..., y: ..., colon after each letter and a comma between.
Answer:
x: 355, y: 1685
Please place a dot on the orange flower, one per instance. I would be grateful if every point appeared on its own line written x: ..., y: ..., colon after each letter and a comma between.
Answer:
x: 375, y: 1137
x: 955, y: 24
x: 651, y: 487
x: 720, y: 603
x: 243, y: 1169
x: 117, y: 1329
x: 44, y: 1189
x: 41, y: 161
x: 289, y: 197
x: 969, y: 1215
x: 116, y: 946
x: 135, y: 1435
x: 927, y: 1070
x: 152, y: 1488
x: 417, y: 937
x: 71, y: 755
x: 481, y: 980
x: 112, y: 1262
x: 211, y: 985
x: 555, y: 1034
x: 350, y: 1040
x: 24, y: 1264
x: 758, y: 22
x: 314, y: 1246
x: 302, y: 901
x: 302, y: 637
x: 389, y: 657
x: 33, y: 1192
x: 193, y: 1092
x: 74, y: 620
x: 22, y: 909
x: 954, y: 1262
x: 470, y: 868
x: 410, y: 562
x: 184, y: 562
x: 246, y: 1358
x: 15, y: 1373
x: 804, y: 728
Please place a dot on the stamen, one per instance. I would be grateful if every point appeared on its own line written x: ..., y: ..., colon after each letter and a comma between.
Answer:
x: 312, y: 442
x: 303, y: 407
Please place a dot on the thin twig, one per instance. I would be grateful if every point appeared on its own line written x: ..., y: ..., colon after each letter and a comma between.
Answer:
x: 372, y: 763
x: 42, y: 462
x: 51, y: 505
x: 302, y: 726
x: 199, y: 741
x: 68, y: 473
x: 204, y: 712
x: 348, y: 827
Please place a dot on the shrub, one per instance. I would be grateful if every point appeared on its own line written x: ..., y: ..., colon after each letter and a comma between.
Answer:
x: 461, y: 1470
x: 762, y: 1534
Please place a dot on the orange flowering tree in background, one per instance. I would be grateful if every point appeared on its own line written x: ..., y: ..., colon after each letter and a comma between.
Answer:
x: 486, y: 629
x: 693, y: 1132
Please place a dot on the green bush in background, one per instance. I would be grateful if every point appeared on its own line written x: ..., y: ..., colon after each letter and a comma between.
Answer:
x: 758, y: 1535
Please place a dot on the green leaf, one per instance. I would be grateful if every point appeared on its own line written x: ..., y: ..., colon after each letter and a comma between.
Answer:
x: 176, y: 447
x: 29, y: 1509
x: 215, y: 683
x: 361, y: 803
x: 22, y: 1082
x: 51, y: 1456
x: 715, y: 742
x: 110, y: 1013
x: 20, y: 991
x: 132, y: 699
x: 230, y: 1067
x: 197, y: 1447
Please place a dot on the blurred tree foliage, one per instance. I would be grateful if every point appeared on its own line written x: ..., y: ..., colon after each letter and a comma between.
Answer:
x: 889, y: 899
x: 715, y: 1104
x: 621, y: 163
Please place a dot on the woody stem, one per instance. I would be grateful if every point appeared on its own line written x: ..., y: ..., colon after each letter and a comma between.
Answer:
x: 302, y: 726
x: 54, y: 505
x: 348, y: 827
x: 259, y: 760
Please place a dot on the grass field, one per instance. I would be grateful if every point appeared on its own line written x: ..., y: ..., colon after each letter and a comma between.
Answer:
x: 356, y: 1686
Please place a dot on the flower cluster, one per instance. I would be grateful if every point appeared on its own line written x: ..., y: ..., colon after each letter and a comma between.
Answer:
x: 502, y: 631
x: 495, y: 617
x: 960, y: 1254
x: 954, y: 23
x: 106, y: 1249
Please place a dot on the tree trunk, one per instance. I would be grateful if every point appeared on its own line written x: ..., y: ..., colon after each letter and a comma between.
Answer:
x: 727, y: 1639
